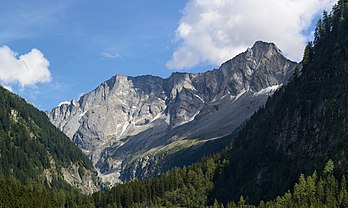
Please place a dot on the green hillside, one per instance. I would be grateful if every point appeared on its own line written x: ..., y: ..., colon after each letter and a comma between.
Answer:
x: 29, y: 144
x: 34, y: 155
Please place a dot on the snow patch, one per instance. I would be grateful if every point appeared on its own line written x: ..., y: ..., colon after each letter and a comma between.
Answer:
x: 121, y: 144
x: 197, y: 96
x: 125, y: 125
x: 156, y: 117
x: 82, y: 114
x: 74, y: 103
x: 240, y: 94
x: 117, y: 127
x: 168, y: 119
x: 225, y: 95
x: 267, y: 90
x: 189, y: 120
x: 194, y: 116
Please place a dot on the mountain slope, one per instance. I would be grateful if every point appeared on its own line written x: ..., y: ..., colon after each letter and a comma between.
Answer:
x: 302, y: 126
x: 130, y: 125
x: 32, y: 149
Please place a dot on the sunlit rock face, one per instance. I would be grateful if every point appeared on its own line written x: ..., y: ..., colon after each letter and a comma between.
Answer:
x: 128, y: 125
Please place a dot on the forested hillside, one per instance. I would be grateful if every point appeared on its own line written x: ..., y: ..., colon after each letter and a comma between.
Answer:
x: 35, y: 157
x: 29, y: 143
x: 301, y: 126
x: 189, y: 187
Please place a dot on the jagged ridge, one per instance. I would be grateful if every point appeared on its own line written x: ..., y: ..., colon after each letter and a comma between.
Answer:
x: 127, y: 123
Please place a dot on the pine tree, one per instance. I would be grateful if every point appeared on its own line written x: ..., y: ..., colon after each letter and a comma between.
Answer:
x: 308, y: 54
x: 296, y: 73
x: 300, y: 192
x: 319, y: 31
x: 329, y: 167
x: 343, y: 196
x: 241, y: 202
x: 216, y: 204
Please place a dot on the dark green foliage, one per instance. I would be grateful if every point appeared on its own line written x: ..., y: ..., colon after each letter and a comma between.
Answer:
x: 296, y: 73
x: 310, y: 191
x: 14, y: 194
x: 30, y: 148
x: 29, y: 143
x: 331, y: 38
x: 185, y: 187
x: 308, y: 54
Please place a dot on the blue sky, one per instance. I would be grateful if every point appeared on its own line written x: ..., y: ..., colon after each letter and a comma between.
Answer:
x: 86, y: 42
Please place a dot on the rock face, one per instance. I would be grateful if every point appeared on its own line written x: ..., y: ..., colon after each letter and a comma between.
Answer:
x: 130, y: 121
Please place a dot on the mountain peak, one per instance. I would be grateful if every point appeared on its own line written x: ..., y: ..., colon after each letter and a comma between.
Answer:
x: 129, y: 115
x: 265, y: 47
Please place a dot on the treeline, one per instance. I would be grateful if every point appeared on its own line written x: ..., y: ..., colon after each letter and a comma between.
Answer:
x: 330, y: 38
x: 189, y: 187
x: 180, y: 187
x: 315, y: 191
x: 14, y: 194
x: 310, y: 191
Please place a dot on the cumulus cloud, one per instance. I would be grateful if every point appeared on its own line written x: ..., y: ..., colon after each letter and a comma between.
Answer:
x: 110, y: 55
x: 26, y: 70
x: 213, y: 31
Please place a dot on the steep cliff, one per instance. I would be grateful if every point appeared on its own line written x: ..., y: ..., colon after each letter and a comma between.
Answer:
x: 131, y: 125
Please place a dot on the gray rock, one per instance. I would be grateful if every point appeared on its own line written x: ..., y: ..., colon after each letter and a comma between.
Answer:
x: 129, y: 120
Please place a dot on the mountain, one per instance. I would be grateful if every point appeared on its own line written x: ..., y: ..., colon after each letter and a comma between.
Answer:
x: 33, y: 150
x: 130, y: 126
x: 303, y: 128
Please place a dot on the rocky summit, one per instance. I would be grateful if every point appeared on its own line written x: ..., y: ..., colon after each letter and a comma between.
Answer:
x: 128, y: 125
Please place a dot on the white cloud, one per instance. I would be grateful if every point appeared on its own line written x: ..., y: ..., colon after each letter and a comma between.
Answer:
x: 64, y: 103
x: 110, y: 55
x: 26, y: 70
x: 213, y: 31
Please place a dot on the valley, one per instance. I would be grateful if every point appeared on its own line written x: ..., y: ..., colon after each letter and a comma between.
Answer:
x: 258, y: 131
